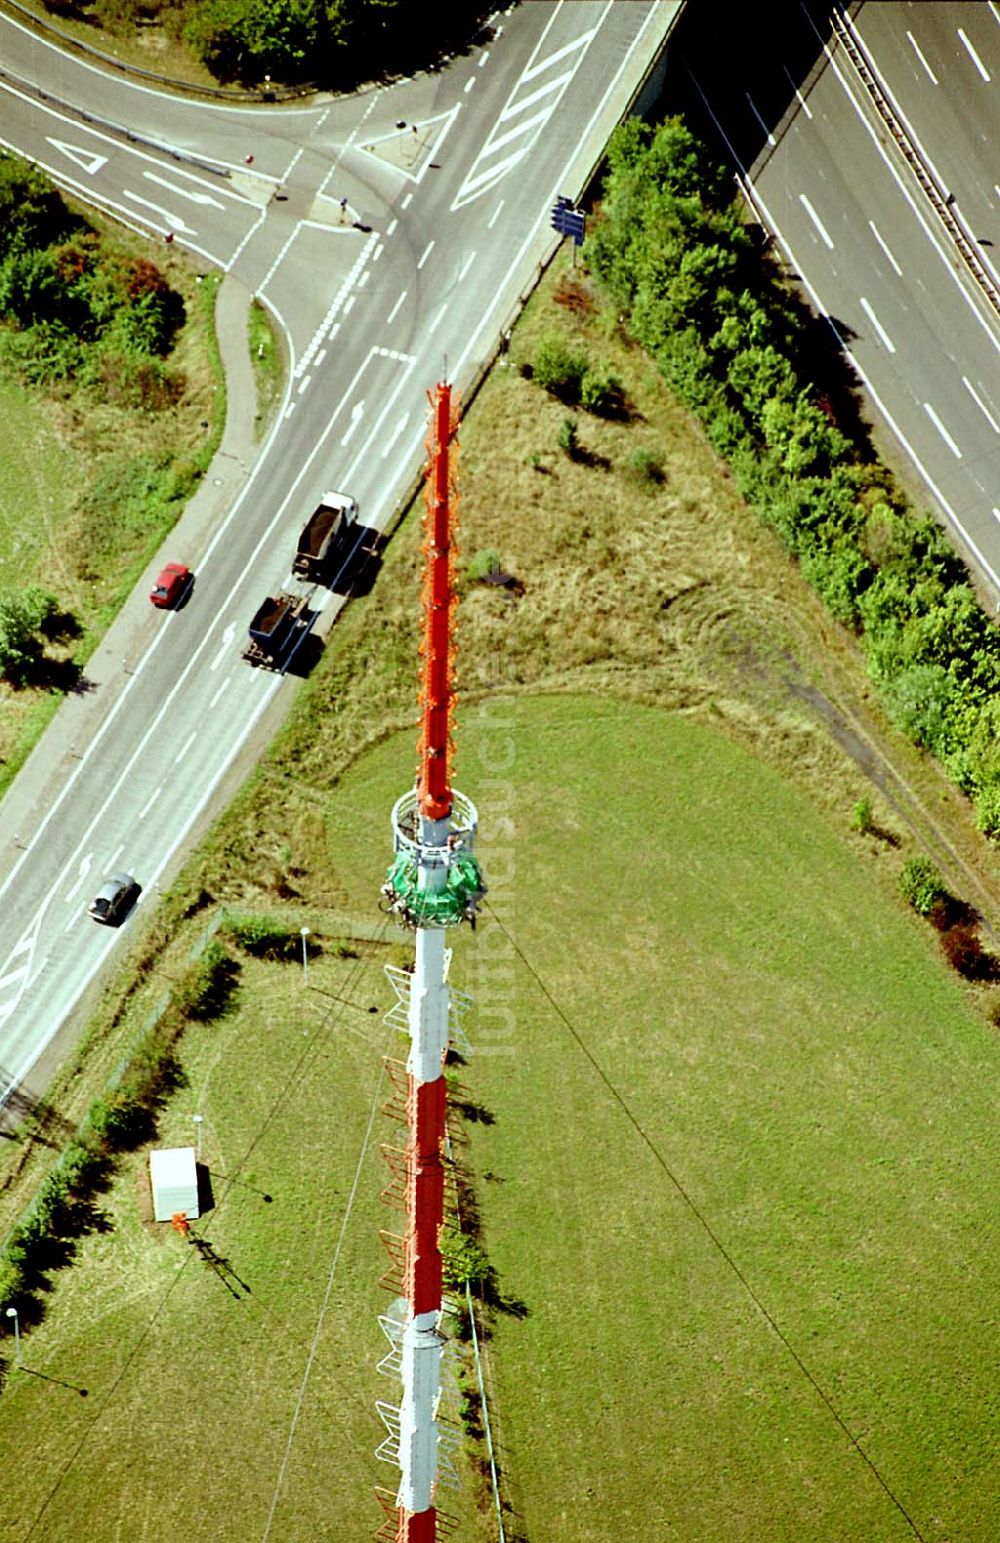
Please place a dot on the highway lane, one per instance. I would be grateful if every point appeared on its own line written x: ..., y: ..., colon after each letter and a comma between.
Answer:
x: 939, y: 63
x: 458, y: 237
x: 876, y: 260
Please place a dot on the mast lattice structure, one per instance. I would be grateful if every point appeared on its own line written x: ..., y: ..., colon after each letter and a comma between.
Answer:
x: 434, y: 883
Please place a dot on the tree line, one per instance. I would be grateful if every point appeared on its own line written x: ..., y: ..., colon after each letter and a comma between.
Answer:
x: 673, y: 249
x: 331, y: 43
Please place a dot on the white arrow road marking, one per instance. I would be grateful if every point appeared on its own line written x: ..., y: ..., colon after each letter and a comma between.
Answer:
x: 227, y: 643
x: 22, y: 947
x: 394, y: 435
x: 85, y: 866
x: 173, y: 221
x: 8, y: 980
x: 357, y: 413
x: 196, y: 198
x: 88, y: 159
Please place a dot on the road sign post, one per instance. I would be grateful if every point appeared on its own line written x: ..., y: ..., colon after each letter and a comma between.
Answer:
x: 569, y: 222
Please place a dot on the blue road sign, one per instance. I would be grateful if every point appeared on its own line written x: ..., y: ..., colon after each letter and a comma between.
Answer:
x: 569, y: 221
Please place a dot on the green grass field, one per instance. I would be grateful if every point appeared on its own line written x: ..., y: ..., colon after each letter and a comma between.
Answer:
x: 766, y: 1101
x: 755, y: 1145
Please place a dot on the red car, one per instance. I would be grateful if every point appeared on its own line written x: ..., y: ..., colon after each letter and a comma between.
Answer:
x: 171, y: 585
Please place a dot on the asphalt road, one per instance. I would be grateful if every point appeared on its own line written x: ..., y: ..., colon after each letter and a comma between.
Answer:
x: 445, y: 224
x: 853, y: 222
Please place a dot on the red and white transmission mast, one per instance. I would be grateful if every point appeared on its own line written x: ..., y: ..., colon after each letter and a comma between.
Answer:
x: 433, y: 884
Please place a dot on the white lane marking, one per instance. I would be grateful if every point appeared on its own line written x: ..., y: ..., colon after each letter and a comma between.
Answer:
x: 536, y: 96
x: 483, y: 58
x: 498, y: 142
x: 378, y: 252
x: 399, y: 429
x: 304, y: 383
x: 802, y: 101
x: 319, y: 358
x: 996, y: 514
x: 495, y: 215
x: 407, y: 200
x: 151, y: 800
x: 390, y: 228
x: 469, y: 85
x: 560, y: 53
x: 878, y: 237
x: 807, y: 206
x: 923, y: 61
x: 356, y: 278
x: 226, y: 645
x: 932, y: 415
x: 392, y: 314
x: 349, y: 307
x: 333, y: 332
x: 970, y: 388
x: 116, y: 854
x: 980, y: 66
x: 945, y: 254
x: 437, y: 316
x: 357, y: 413
x: 363, y: 280
x: 886, y: 339
x: 427, y: 252
x: 195, y: 198
x: 23, y: 946
x: 8, y: 980
x: 753, y: 196
x: 223, y: 688
x: 89, y: 160
x: 84, y: 869
x: 750, y: 102
x: 182, y: 752
x: 173, y: 221
x: 290, y: 409
x: 466, y: 266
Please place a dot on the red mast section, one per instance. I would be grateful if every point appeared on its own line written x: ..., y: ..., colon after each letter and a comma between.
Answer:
x: 435, y: 746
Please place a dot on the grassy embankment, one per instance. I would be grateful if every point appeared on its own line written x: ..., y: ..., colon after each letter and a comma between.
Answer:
x: 681, y: 877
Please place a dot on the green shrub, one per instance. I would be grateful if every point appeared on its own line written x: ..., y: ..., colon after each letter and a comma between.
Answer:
x: 11, y: 1288
x: 862, y: 818
x: 266, y: 939
x: 464, y: 1263
x: 558, y: 370
x: 600, y: 394
x: 204, y: 991
x: 484, y: 563
x: 921, y: 886
x: 645, y: 469
x: 568, y: 440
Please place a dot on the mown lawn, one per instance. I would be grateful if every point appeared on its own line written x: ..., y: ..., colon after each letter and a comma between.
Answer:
x: 753, y: 1167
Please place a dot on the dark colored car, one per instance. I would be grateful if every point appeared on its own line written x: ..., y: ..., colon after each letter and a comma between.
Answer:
x: 171, y: 585
x: 115, y: 897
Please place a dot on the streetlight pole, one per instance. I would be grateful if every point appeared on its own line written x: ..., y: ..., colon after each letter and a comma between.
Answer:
x: 304, y: 933
x: 12, y: 1313
x: 198, y: 1118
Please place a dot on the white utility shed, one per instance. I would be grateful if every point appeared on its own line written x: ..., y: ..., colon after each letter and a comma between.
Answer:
x: 174, y: 1179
